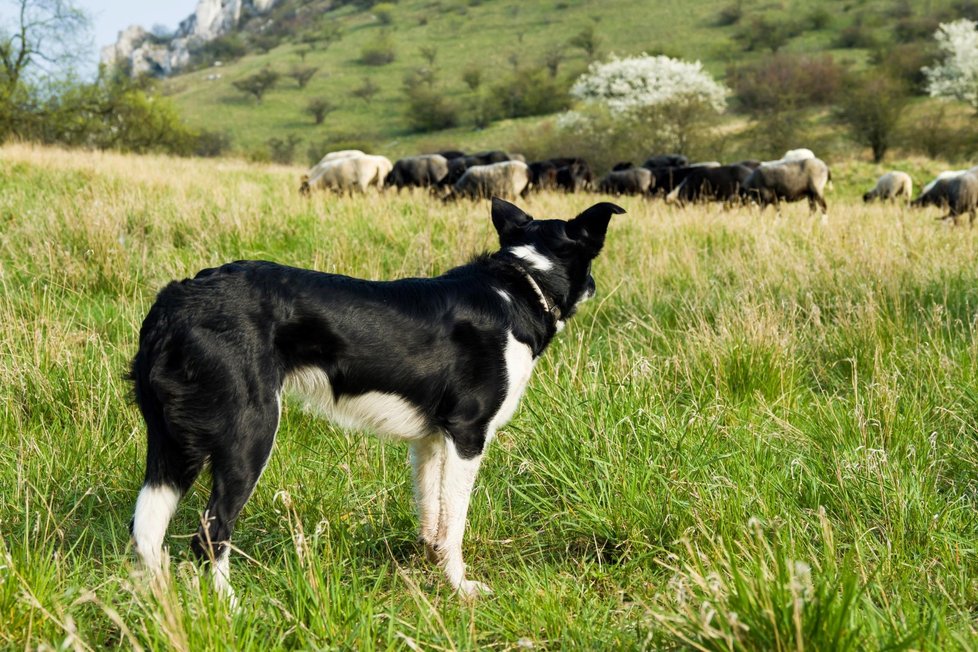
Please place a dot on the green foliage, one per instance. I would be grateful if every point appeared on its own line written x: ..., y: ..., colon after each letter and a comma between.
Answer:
x: 428, y: 109
x: 530, y: 92
x: 224, y: 49
x: 282, y: 150
x: 319, y: 108
x: 257, y: 84
x: 366, y: 91
x: 384, y: 12
x: 872, y: 105
x: 302, y: 74
x: 379, y: 52
x: 588, y: 41
x: 766, y: 33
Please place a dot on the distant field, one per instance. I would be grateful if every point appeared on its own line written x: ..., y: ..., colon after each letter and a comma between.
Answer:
x: 761, y: 435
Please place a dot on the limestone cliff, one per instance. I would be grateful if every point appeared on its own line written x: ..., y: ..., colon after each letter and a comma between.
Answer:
x: 147, y: 54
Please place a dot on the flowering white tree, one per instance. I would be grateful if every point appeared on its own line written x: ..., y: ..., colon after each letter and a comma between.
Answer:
x: 630, y: 107
x: 956, y: 77
x: 624, y: 85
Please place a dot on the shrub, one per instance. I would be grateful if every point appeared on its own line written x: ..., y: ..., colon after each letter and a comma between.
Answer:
x: 636, y: 82
x: 764, y: 33
x: 730, y: 15
x: 366, y: 91
x: 872, y: 105
x: 427, y: 107
x: 525, y: 93
x: 282, y: 151
x: 587, y: 40
x: 819, y: 18
x: 258, y: 84
x: 956, y: 77
x: 784, y: 81
x: 915, y: 28
x: 855, y: 36
x: 212, y: 143
x: 905, y: 62
x: 378, y: 53
x: 302, y: 74
x: 384, y: 13
x: 319, y: 108
x: 224, y: 48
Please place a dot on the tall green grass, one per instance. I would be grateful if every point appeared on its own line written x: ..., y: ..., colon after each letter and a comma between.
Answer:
x: 761, y: 435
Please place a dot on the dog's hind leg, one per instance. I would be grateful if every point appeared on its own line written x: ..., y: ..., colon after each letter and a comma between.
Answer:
x: 458, y: 478
x: 235, y: 469
x: 427, y: 461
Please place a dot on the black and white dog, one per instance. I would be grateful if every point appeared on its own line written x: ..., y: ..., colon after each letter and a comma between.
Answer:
x: 440, y: 362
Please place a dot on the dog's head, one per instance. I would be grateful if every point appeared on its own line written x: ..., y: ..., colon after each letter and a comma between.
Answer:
x: 557, y: 253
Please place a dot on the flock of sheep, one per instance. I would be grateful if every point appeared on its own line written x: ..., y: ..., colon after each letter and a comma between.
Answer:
x: 798, y: 175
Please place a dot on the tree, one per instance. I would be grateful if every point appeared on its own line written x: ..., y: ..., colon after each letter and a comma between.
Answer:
x: 319, y: 108
x: 257, y: 84
x: 872, y: 105
x: 632, y: 83
x: 956, y: 77
x: 366, y: 91
x: 326, y: 34
x: 552, y: 59
x: 588, y: 40
x: 44, y: 35
x: 429, y: 53
x: 472, y: 76
x: 302, y: 74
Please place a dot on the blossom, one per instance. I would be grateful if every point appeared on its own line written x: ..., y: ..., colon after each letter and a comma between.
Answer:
x: 956, y: 77
x: 624, y: 85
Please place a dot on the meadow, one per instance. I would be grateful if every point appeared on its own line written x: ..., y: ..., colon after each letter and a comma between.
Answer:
x: 760, y: 435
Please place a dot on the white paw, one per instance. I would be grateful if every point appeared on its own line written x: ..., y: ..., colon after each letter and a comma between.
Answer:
x: 473, y: 589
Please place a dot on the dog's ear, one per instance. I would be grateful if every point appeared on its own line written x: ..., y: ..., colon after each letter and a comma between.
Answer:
x: 508, y: 219
x: 590, y: 226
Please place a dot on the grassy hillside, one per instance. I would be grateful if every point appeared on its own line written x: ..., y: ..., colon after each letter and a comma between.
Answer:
x: 760, y: 435
x: 495, y: 36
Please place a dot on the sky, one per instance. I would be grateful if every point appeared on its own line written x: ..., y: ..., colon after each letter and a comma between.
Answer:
x: 109, y: 17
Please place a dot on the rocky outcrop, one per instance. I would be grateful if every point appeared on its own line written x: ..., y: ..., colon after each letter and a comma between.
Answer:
x: 144, y: 53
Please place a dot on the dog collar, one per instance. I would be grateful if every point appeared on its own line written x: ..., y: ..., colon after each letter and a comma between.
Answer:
x: 550, y: 308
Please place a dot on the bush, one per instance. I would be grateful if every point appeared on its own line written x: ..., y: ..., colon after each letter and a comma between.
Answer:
x: 427, y: 107
x: 855, y: 36
x: 764, y: 33
x: 379, y: 53
x: 319, y: 108
x: 258, y: 84
x: 915, y: 28
x: 872, y: 105
x: 212, y: 143
x: 525, y: 93
x: 819, y: 18
x: 282, y: 151
x: 730, y: 15
x: 905, y: 62
x: 384, y: 13
x: 224, y: 48
x: 784, y: 81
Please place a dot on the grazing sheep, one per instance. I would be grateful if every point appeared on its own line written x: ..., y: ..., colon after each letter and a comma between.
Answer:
x: 790, y: 181
x: 504, y: 179
x: 417, y: 171
x: 666, y: 161
x: 943, y: 176
x: 721, y: 183
x: 792, y: 155
x: 348, y: 174
x: 892, y: 185
x: 958, y: 193
x: 634, y: 181
x: 622, y: 165
x: 574, y: 175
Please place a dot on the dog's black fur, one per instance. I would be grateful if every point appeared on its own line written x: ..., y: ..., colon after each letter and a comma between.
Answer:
x: 215, y: 350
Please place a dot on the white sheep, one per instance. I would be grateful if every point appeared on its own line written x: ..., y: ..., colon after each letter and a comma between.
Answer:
x: 892, y: 185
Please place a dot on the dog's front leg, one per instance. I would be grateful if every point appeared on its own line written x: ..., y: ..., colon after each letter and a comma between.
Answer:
x: 458, y: 478
x: 427, y: 460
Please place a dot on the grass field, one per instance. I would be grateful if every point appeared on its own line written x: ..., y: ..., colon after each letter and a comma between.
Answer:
x: 761, y: 435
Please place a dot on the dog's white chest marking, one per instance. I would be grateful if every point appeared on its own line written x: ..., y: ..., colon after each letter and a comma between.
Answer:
x: 519, y: 365
x: 382, y: 413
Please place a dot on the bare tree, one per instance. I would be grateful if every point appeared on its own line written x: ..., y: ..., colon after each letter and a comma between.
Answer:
x: 44, y: 34
x: 366, y: 91
x: 302, y: 74
x: 257, y: 84
x: 319, y: 108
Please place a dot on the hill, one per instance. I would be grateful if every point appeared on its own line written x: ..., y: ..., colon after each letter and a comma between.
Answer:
x: 505, y: 40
